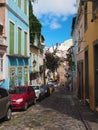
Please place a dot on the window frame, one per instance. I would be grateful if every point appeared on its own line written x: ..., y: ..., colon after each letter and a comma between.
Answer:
x: 1, y: 63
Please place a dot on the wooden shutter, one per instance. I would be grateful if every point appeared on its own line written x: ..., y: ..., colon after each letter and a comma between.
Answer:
x: 11, y: 38
x: 25, y: 43
x: 19, y: 41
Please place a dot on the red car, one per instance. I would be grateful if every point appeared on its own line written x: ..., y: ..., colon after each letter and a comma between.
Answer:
x: 22, y: 97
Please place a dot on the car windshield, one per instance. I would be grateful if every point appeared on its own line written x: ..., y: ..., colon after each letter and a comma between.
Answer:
x: 18, y: 90
x: 36, y: 87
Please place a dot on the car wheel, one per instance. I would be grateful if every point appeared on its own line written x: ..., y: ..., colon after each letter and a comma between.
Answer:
x: 34, y: 101
x: 25, y: 106
x: 8, y: 114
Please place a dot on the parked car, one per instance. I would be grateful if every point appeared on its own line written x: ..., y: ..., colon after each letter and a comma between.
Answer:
x: 5, y: 104
x: 51, y: 88
x: 47, y: 90
x: 53, y: 83
x: 22, y: 97
x: 39, y: 91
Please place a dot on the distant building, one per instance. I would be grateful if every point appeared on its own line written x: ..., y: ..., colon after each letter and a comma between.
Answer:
x: 61, y: 52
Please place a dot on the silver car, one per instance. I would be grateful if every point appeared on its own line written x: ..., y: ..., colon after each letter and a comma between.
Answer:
x: 39, y: 91
x: 5, y: 104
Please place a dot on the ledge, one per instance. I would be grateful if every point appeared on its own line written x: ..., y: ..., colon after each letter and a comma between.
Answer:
x: 16, y: 55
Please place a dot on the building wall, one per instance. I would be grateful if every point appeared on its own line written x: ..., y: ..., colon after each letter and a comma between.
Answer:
x: 61, y: 73
x: 34, y: 56
x: 80, y: 52
x: 16, y: 64
x: 91, y: 34
x: 3, y: 38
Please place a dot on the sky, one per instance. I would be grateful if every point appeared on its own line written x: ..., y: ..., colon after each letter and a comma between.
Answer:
x: 56, y: 19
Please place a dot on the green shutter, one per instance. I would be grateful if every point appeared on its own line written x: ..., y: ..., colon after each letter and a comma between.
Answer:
x: 25, y: 43
x: 25, y: 7
x: 19, y: 41
x: 19, y: 3
x: 11, y: 38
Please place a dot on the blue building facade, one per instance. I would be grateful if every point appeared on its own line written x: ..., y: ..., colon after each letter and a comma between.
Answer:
x: 17, y: 32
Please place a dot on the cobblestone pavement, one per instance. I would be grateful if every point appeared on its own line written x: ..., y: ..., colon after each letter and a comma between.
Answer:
x: 56, y: 112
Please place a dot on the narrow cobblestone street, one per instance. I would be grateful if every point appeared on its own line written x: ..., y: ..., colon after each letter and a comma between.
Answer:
x: 57, y: 112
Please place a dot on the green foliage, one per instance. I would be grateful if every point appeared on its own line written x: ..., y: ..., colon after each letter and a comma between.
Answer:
x: 51, y: 61
x: 70, y: 61
x: 35, y: 25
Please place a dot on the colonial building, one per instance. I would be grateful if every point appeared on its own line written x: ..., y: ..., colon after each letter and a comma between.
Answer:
x: 87, y: 23
x: 37, y: 61
x: 91, y: 52
x: 14, y: 17
x: 3, y: 45
x: 74, y: 40
x: 80, y: 50
x: 34, y: 65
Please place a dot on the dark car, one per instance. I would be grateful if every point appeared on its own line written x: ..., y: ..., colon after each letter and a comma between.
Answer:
x: 22, y: 97
x: 47, y: 90
x: 5, y: 104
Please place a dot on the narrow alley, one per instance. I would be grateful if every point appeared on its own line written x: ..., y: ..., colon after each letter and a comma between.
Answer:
x: 56, y: 112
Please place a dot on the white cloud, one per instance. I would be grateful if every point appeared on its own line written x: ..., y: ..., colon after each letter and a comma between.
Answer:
x: 55, y: 25
x: 54, y: 9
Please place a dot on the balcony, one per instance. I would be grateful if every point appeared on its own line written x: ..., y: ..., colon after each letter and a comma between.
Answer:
x: 3, y: 45
x: 3, y: 40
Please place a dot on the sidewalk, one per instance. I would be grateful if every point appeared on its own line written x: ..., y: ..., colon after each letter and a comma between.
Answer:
x: 89, y: 118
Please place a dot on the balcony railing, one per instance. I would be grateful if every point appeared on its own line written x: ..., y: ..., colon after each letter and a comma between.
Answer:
x: 2, y: 41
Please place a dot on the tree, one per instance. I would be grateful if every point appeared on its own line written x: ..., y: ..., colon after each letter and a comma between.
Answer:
x: 69, y: 57
x: 52, y: 61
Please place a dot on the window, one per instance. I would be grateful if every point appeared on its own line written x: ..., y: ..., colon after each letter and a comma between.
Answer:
x: 11, y: 42
x: 19, y: 3
x: 15, y: 1
x: 19, y: 41
x: 1, y: 29
x: 94, y: 9
x: 25, y: 43
x: 95, y: 5
x: 35, y: 40
x: 1, y: 64
x: 85, y: 17
x: 25, y: 7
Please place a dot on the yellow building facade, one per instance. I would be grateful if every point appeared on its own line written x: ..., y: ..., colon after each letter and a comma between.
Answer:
x: 91, y: 54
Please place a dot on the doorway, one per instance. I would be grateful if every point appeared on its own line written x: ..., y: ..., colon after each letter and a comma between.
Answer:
x: 80, y: 79
x: 86, y: 77
x: 96, y: 73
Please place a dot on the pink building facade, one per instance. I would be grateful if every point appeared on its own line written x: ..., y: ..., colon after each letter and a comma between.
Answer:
x: 3, y: 45
x: 80, y: 52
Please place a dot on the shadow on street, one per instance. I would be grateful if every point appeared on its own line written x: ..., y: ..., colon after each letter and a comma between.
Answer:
x: 66, y: 102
